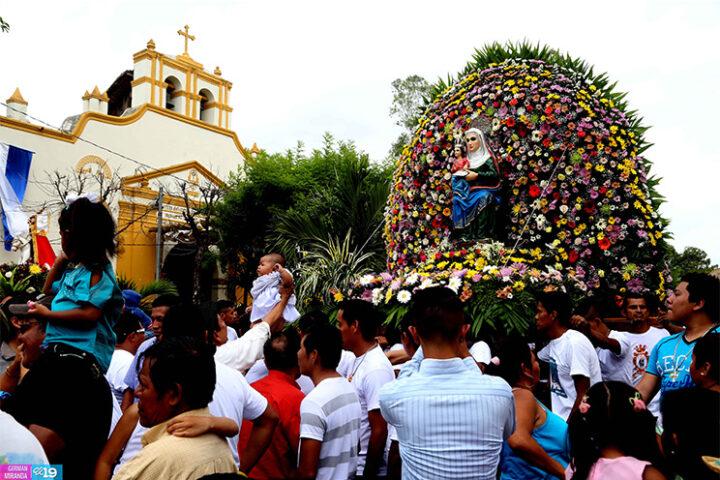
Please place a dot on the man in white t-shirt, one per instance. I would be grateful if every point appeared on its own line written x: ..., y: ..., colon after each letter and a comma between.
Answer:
x: 129, y: 334
x: 358, y: 322
x: 330, y: 413
x: 573, y: 362
x: 624, y: 356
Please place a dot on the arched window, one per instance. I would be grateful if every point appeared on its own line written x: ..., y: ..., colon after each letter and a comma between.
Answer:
x: 205, y: 98
x: 173, y: 85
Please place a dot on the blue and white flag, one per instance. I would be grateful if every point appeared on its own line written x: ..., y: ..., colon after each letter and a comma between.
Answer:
x: 14, y: 171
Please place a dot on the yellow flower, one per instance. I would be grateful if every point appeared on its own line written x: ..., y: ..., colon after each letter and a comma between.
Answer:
x: 338, y: 297
x: 519, y: 286
x: 35, y: 269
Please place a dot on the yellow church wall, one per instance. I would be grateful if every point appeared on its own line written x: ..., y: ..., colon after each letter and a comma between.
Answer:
x: 136, y: 259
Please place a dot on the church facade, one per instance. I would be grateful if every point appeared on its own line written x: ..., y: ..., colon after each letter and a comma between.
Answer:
x: 162, y: 124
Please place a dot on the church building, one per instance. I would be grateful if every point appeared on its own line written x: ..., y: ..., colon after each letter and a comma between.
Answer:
x: 157, y: 137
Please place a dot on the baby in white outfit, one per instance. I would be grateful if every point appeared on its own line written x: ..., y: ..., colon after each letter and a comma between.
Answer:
x: 266, y: 288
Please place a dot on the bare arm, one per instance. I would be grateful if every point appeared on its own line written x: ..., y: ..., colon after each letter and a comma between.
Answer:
x: 196, y: 425
x: 394, y: 468
x: 597, y: 332
x: 376, y: 445
x: 582, y: 385
x: 116, y: 443
x: 84, y: 314
x: 11, y: 376
x: 522, y: 442
x: 52, y: 443
x: 55, y: 272
x: 648, y: 386
x: 128, y: 399
x: 262, y: 432
x: 397, y: 356
x: 309, y: 459
x: 652, y: 473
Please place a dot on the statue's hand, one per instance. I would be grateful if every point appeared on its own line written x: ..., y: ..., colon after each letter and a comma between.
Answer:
x: 471, y: 176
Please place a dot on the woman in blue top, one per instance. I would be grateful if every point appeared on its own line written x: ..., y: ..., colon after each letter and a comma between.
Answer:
x: 538, y: 448
x: 88, y: 300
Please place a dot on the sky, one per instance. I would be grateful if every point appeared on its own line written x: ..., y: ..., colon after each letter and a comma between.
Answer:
x: 302, y: 68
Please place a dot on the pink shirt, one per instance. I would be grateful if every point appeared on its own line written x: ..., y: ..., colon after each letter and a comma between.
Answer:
x: 621, y: 468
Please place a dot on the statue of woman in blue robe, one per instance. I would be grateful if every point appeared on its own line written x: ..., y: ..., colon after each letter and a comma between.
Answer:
x: 476, y: 195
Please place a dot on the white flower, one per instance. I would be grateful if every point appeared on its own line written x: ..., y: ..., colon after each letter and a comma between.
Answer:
x: 377, y: 296
x: 366, y: 280
x: 427, y: 283
x: 412, y: 279
x: 563, y: 209
x: 30, y: 290
x: 404, y: 296
x: 454, y: 284
x: 8, y: 274
x: 509, y: 296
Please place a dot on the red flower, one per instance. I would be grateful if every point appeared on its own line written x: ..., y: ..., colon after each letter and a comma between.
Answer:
x: 513, y: 102
x: 423, y: 257
x: 604, y: 244
x: 534, y: 191
x: 573, y: 256
x: 510, y: 122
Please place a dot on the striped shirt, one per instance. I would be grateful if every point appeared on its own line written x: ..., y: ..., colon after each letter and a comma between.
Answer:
x: 451, y: 420
x: 331, y: 414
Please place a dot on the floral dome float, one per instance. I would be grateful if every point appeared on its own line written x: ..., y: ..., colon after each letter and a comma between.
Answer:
x: 566, y: 201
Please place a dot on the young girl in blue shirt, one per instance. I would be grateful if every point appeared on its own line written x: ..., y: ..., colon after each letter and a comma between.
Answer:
x: 88, y: 300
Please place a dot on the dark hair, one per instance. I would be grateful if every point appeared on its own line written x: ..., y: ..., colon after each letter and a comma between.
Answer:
x: 326, y: 340
x: 126, y: 324
x: 7, y: 329
x: 635, y: 296
x: 276, y: 257
x: 189, y: 320
x: 514, y: 353
x: 707, y: 350
x: 702, y: 286
x: 281, y: 349
x: 437, y: 313
x: 89, y: 232
x: 310, y: 319
x: 221, y: 305
x: 690, y: 419
x: 184, y: 362
x: 365, y: 314
x: 611, y: 421
x: 556, y: 301
x: 166, y: 300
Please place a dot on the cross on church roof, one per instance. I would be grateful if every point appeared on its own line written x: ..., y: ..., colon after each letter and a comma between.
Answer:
x: 187, y: 36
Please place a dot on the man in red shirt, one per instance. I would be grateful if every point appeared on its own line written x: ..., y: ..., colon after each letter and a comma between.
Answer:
x: 285, y: 396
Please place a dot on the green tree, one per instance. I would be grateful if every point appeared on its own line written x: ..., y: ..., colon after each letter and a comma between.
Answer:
x: 303, y: 205
x: 410, y: 95
x: 4, y: 26
x: 692, y: 259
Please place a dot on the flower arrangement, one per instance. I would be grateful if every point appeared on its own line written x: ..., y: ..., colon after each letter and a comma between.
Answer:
x: 575, y: 184
x: 580, y: 209
x: 25, y: 278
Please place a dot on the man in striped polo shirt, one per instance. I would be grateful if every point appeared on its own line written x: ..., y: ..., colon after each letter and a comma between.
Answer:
x: 451, y: 420
x: 330, y: 413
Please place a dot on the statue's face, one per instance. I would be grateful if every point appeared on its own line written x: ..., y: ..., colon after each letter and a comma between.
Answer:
x: 473, y: 142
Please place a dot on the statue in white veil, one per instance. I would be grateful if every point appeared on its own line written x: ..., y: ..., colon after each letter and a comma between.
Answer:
x: 476, y: 196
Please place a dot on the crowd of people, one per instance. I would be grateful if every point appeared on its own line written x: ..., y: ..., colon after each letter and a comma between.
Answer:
x: 91, y: 382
